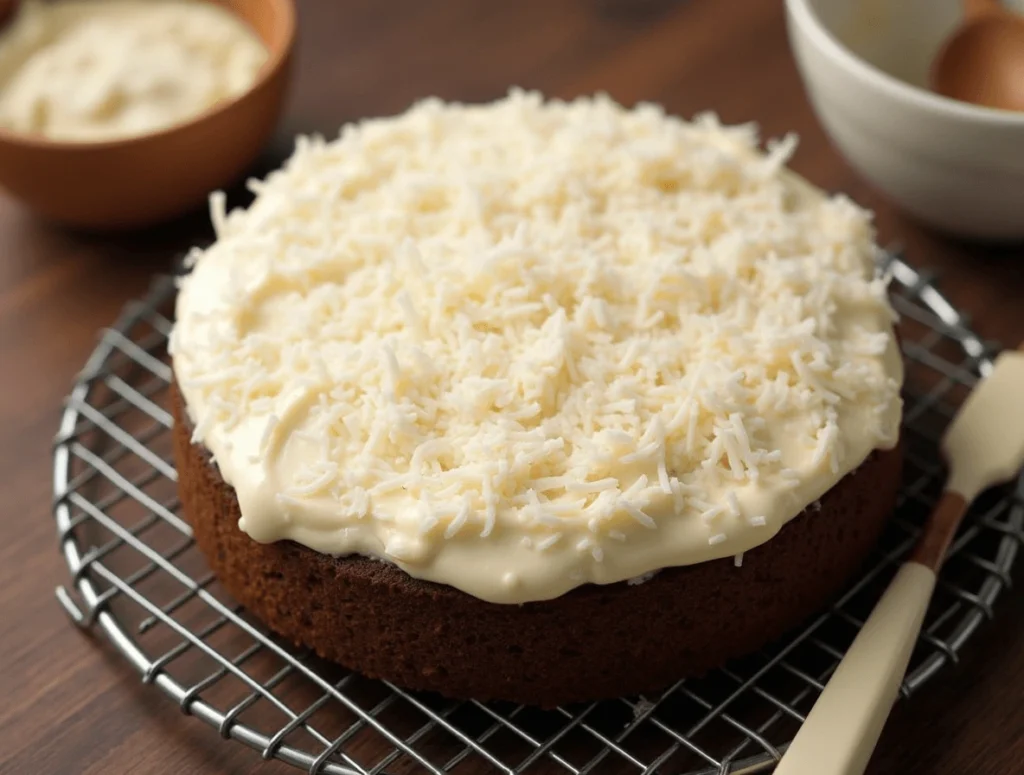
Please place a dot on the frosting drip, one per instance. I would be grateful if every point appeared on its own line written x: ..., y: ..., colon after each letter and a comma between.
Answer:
x: 522, y: 346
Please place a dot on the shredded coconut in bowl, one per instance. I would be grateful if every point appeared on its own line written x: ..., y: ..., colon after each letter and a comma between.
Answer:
x: 93, y: 70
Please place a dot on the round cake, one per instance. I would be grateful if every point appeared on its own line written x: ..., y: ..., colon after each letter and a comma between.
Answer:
x: 536, y: 401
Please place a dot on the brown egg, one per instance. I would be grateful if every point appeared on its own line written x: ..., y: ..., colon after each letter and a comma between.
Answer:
x: 984, y: 63
x: 138, y: 181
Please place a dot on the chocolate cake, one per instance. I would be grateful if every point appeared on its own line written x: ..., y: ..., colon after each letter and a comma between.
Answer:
x: 536, y: 401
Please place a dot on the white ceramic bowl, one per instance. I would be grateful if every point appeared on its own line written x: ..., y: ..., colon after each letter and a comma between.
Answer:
x: 957, y: 167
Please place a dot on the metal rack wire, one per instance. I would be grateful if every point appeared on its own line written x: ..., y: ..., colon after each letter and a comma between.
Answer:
x: 137, y: 578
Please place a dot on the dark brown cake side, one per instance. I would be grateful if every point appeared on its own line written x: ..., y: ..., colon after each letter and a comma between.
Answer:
x: 594, y: 642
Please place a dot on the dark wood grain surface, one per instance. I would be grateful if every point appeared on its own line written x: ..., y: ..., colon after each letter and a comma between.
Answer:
x: 68, y: 704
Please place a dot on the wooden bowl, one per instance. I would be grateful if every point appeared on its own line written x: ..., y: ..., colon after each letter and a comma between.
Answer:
x: 139, y: 181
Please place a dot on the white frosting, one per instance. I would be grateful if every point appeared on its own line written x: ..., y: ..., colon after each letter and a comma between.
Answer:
x: 88, y: 70
x: 519, y: 347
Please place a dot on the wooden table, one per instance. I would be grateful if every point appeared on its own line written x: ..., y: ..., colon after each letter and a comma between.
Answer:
x: 70, y: 705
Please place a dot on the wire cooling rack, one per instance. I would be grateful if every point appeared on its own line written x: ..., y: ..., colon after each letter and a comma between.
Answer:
x: 138, y: 578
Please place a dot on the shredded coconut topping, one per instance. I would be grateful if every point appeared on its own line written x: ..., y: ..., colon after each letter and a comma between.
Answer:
x: 473, y: 323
